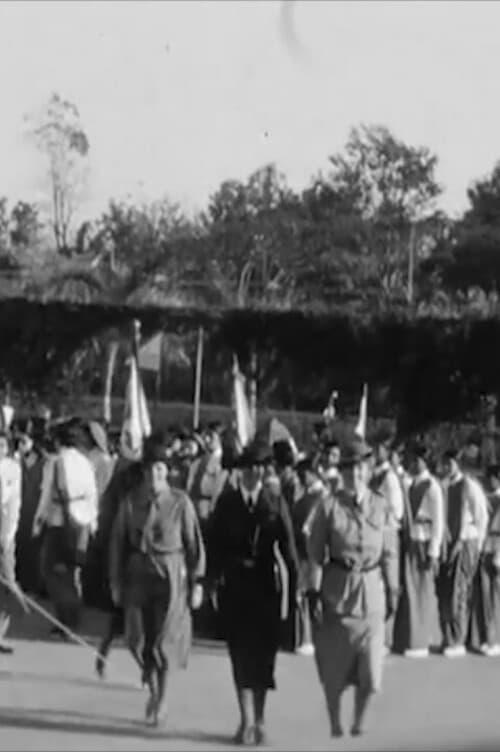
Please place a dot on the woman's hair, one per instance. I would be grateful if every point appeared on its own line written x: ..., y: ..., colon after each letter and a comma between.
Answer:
x: 155, y: 449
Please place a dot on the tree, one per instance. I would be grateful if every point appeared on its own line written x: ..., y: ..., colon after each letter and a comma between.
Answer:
x: 59, y: 135
x: 471, y: 256
x: 4, y: 226
x: 252, y: 235
x: 391, y: 188
x: 24, y: 225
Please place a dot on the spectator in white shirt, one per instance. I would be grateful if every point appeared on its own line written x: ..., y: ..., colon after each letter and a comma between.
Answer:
x: 10, y: 507
x: 68, y: 509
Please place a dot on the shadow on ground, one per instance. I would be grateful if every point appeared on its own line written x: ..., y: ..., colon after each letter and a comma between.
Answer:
x: 61, y: 679
x: 84, y: 723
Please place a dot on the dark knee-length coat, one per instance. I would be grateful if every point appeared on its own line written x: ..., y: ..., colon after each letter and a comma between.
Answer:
x: 254, y: 561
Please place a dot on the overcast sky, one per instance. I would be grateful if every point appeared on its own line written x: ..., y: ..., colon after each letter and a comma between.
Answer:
x: 176, y: 97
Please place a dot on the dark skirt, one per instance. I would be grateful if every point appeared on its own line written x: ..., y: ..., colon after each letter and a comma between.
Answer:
x: 485, y: 615
x: 417, y: 618
x: 252, y: 628
x: 455, y: 590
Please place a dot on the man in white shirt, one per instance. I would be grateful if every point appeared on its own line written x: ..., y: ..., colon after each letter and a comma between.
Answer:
x: 68, y: 509
x: 10, y: 508
x: 466, y: 524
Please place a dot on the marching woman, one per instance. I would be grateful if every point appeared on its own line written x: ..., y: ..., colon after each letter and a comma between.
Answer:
x: 354, y: 578
x: 255, y: 565
x: 157, y: 561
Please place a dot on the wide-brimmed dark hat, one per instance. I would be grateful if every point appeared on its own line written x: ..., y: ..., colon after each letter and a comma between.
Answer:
x: 155, y: 449
x: 254, y: 455
x: 354, y: 451
x: 306, y: 465
x: 382, y: 436
x: 283, y: 453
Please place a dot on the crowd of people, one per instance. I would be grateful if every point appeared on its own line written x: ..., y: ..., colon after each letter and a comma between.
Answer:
x: 343, y: 554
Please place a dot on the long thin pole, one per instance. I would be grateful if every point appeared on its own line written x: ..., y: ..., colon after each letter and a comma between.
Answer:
x: 411, y: 263
x: 253, y: 387
x: 136, y: 339
x: 159, y: 372
x: 197, y: 386
x: 108, y: 388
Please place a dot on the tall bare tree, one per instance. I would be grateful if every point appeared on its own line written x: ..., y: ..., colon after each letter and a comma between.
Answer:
x: 59, y: 135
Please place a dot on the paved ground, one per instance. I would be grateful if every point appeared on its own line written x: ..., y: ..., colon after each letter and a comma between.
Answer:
x: 50, y: 700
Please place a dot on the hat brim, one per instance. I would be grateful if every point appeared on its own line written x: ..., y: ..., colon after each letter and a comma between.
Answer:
x: 355, y: 459
x: 247, y: 461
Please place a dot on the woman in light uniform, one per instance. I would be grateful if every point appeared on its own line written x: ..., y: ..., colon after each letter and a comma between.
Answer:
x: 354, y: 586
x: 157, y: 562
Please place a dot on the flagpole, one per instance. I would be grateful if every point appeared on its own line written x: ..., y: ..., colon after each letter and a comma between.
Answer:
x: 197, y: 386
x: 159, y: 372
x: 253, y: 387
x: 136, y: 339
x: 108, y: 387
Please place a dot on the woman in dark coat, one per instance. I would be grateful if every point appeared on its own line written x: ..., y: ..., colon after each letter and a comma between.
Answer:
x: 254, y: 563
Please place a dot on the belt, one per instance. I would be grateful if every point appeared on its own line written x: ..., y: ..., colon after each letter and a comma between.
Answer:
x: 351, y: 566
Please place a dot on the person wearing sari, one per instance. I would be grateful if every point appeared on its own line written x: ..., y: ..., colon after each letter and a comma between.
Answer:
x: 417, y: 621
x: 485, y: 619
x: 254, y: 569
x: 156, y: 569
x: 354, y: 586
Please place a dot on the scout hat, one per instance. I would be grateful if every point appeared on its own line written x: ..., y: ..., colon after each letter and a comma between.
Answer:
x: 256, y: 454
x: 355, y: 451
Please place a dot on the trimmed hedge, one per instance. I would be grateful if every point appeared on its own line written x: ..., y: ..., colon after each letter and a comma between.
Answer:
x: 423, y: 369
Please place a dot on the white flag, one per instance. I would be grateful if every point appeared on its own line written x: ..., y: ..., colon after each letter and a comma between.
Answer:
x: 360, y: 429
x: 150, y: 354
x: 136, y: 422
x: 7, y: 415
x: 245, y: 429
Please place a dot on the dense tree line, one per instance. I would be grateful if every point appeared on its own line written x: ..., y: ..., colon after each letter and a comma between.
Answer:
x: 365, y: 234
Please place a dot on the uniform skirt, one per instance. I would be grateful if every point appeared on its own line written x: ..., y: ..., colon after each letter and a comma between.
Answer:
x: 156, y: 607
x: 349, y: 651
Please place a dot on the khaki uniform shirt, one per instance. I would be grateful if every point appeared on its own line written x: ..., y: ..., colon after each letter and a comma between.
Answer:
x: 353, y: 545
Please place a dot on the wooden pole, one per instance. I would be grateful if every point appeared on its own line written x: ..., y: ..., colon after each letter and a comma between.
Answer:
x: 159, y: 372
x: 253, y: 387
x: 411, y: 262
x: 108, y: 387
x: 197, y: 385
x: 136, y: 338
